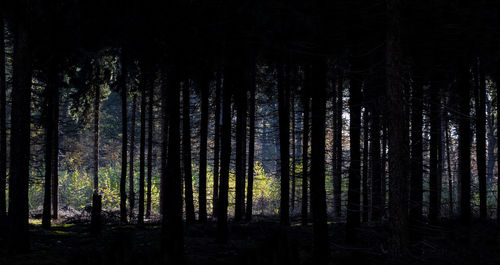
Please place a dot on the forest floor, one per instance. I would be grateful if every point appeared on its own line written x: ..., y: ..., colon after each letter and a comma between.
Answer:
x: 262, y: 241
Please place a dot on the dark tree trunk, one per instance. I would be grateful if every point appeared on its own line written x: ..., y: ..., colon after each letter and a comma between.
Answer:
x: 55, y: 156
x: 416, y: 177
x: 164, y: 140
x: 318, y: 194
x: 292, y: 107
x: 306, y: 101
x: 435, y: 146
x: 186, y: 152
x: 337, y: 164
x: 142, y: 147
x: 3, y: 134
x: 123, y: 177
x: 399, y: 155
x: 354, y: 189
x: 95, y: 221
x: 222, y: 229
x: 464, y: 133
x: 20, y: 138
x: 251, y: 144
x: 450, y: 176
x: 241, y: 132
x: 284, y: 136
x: 498, y: 139
x: 131, y: 196
x: 383, y: 179
x: 50, y: 126
x: 217, y: 142
x: 480, y: 98
x: 150, y: 146
x: 202, y: 201
x: 172, y: 226
x: 366, y: 207
x: 375, y: 164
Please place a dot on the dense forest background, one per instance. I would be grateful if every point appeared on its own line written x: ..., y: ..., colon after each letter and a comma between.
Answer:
x: 254, y: 132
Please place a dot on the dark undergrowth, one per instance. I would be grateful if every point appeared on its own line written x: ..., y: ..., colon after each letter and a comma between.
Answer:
x: 258, y: 242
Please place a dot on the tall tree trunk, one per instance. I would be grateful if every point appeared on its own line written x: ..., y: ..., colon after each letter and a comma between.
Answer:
x: 464, y: 133
x: 3, y: 134
x: 55, y: 155
x: 50, y: 126
x: 131, y: 196
x: 150, y: 146
x: 366, y: 207
x: 164, y: 139
x: 202, y: 201
x: 498, y: 139
x: 398, y: 133
x: 186, y: 151
x: 416, y: 177
x: 435, y: 146
x: 306, y: 101
x: 375, y: 164
x: 20, y: 138
x: 353, y: 199
x: 142, y: 147
x: 95, y: 222
x: 292, y: 106
x: 318, y: 194
x: 251, y: 144
x: 218, y: 86
x: 450, y: 174
x: 492, y: 142
x: 222, y: 229
x: 172, y: 226
x: 383, y: 179
x: 241, y: 132
x: 284, y: 136
x: 480, y: 98
x: 337, y: 176
x: 123, y: 176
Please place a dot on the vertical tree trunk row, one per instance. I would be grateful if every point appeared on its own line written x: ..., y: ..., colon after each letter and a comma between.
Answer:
x: 186, y: 151
x: 284, y: 136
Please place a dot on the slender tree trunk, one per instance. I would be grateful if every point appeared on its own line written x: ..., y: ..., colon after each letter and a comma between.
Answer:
x: 492, y: 142
x: 498, y: 139
x: 375, y: 163
x: 241, y: 132
x: 50, y: 126
x: 222, y: 229
x: 164, y: 140
x: 480, y: 98
x: 251, y: 144
x: 383, y: 179
x: 464, y: 133
x: 337, y: 176
x: 318, y: 194
x: 416, y: 177
x: 353, y: 200
x: 450, y: 176
x: 55, y: 156
x: 172, y: 225
x: 20, y: 138
x: 95, y: 222
x: 284, y: 136
x: 123, y: 177
x: 366, y: 207
x: 3, y: 134
x: 131, y: 196
x: 186, y: 151
x: 398, y: 133
x: 217, y: 142
x: 292, y: 106
x: 202, y: 201
x: 435, y: 146
x: 306, y: 101
x: 142, y: 148
x: 150, y: 146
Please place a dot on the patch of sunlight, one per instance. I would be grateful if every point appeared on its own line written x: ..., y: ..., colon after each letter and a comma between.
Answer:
x: 63, y: 225
x: 35, y: 221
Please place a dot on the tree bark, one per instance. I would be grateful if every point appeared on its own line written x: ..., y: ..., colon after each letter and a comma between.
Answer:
x: 464, y: 133
x: 416, y: 177
x: 241, y: 131
x: 150, y: 145
x: 251, y: 144
x: 398, y: 133
x: 292, y: 107
x: 95, y: 221
x: 123, y: 176
x: 186, y: 151
x: 306, y: 101
x: 131, y: 196
x: 202, y: 193
x: 480, y: 98
x: 217, y: 142
x: 142, y: 147
x: 366, y: 207
x: 284, y: 136
x: 3, y: 129
x: 375, y: 165
x: 318, y: 194
x: 337, y: 176
x: 435, y: 146
x: 450, y: 174
x: 164, y: 139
